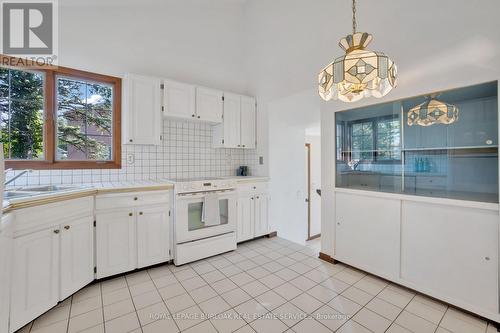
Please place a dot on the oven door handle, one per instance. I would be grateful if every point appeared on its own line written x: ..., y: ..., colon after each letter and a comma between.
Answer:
x: 201, y: 194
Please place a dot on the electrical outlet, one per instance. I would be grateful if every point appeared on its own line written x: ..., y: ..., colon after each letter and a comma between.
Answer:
x: 261, y: 160
x: 130, y: 158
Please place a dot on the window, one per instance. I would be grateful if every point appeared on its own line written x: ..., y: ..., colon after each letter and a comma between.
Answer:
x: 22, y: 111
x: 59, y: 118
x: 376, y: 139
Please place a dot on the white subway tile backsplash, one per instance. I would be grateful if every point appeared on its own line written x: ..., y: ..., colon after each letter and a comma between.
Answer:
x: 186, y: 152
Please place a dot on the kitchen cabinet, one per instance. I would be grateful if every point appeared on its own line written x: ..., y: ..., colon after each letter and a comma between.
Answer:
x: 6, y: 243
x: 52, y: 256
x: 248, y: 122
x: 35, y: 276
x: 246, y: 215
x: 238, y: 127
x: 115, y: 242
x: 369, y: 237
x: 451, y: 252
x: 179, y: 100
x: 253, y: 211
x: 142, y: 110
x: 261, y: 214
x: 209, y: 105
x: 132, y: 231
x: 153, y: 235
x: 231, y: 124
x: 77, y: 255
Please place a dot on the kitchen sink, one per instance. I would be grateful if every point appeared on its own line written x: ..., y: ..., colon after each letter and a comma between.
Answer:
x: 31, y: 191
x: 16, y: 194
x: 48, y: 188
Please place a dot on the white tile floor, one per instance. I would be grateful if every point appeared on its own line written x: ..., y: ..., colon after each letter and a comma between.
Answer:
x: 267, y: 285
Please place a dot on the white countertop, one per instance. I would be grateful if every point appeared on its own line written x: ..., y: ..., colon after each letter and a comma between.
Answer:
x: 81, y: 190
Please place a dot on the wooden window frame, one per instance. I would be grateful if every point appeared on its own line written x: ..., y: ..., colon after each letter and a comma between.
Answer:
x: 50, y: 114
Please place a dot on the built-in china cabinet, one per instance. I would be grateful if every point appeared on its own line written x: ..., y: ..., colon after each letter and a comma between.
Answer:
x: 416, y: 194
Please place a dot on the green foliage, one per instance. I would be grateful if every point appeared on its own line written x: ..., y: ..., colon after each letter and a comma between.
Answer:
x: 84, y: 117
x: 21, y: 106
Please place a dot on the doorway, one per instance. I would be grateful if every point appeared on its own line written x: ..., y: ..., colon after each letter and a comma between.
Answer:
x: 313, y: 181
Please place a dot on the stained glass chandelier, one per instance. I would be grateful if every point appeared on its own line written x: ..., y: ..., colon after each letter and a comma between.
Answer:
x: 360, y: 72
x: 432, y: 112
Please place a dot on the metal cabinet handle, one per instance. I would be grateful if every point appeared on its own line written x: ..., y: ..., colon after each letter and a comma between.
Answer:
x: 56, y: 231
x: 140, y: 213
x: 192, y: 115
x: 251, y: 198
x: 244, y: 146
x: 258, y: 197
x: 135, y: 198
x: 67, y: 227
x: 487, y: 258
x: 130, y: 140
x: 130, y: 214
x: 199, y: 117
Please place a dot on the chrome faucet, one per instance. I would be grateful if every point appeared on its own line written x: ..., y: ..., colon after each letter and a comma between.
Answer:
x: 7, y: 182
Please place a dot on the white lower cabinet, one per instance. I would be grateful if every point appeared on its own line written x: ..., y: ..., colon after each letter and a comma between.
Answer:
x: 115, y: 242
x: 452, y: 252
x: 261, y: 214
x: 253, y: 211
x: 5, y: 270
x: 446, y: 249
x: 246, y: 216
x: 367, y: 233
x: 132, y: 231
x: 77, y: 255
x: 153, y: 236
x: 35, y: 277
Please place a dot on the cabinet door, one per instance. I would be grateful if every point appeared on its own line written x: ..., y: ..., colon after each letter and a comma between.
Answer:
x: 179, y: 100
x: 77, y: 255
x: 35, y: 277
x: 261, y: 214
x: 451, y: 252
x: 232, y: 109
x: 245, y: 226
x: 6, y: 243
x: 153, y: 236
x: 116, y: 243
x: 248, y: 119
x: 367, y: 233
x: 209, y: 105
x: 142, y: 110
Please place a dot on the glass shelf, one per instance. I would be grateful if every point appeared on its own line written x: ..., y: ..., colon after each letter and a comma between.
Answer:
x: 377, y: 150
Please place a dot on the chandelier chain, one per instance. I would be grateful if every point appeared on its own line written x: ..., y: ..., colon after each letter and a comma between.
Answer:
x: 354, y: 25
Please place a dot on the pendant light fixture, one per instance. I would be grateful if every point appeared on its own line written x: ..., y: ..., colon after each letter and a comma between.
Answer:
x: 431, y: 112
x: 360, y: 72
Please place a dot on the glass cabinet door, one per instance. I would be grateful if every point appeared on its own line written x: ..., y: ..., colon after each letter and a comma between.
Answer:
x: 450, y: 152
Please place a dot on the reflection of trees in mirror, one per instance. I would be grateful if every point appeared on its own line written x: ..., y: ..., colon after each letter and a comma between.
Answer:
x: 84, y: 123
x: 21, y: 107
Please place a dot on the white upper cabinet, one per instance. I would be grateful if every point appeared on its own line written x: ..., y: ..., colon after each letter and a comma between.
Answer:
x: 238, y: 127
x: 142, y: 110
x: 232, y: 118
x: 209, y: 104
x: 179, y: 100
x: 247, y: 120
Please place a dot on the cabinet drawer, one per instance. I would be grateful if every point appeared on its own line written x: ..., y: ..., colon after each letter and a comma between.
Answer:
x: 253, y: 187
x: 111, y: 201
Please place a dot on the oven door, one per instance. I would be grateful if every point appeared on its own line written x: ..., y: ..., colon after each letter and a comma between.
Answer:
x: 189, y: 223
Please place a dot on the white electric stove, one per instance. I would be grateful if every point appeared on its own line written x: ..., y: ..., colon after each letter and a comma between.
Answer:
x: 197, y: 233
